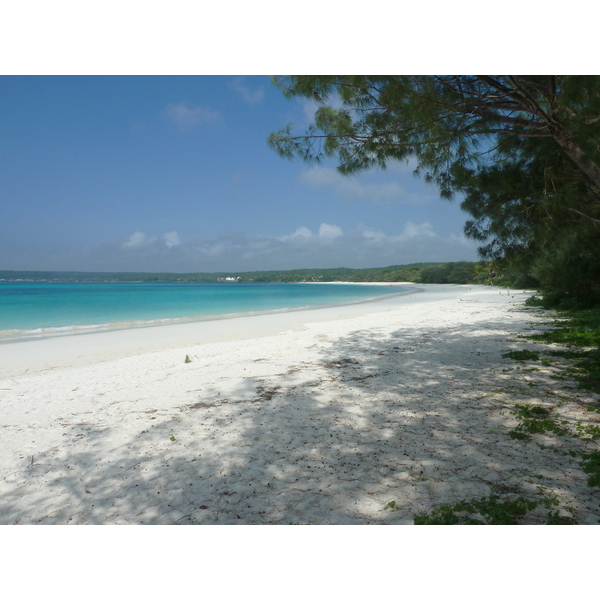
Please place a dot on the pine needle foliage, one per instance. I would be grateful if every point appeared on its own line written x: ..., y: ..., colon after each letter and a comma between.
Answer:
x: 522, y: 151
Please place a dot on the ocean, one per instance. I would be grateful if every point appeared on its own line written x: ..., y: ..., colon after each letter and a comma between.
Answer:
x: 39, y: 310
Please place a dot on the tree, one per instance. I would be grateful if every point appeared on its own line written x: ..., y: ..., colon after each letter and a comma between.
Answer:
x: 445, y: 121
x: 523, y: 150
x: 521, y: 214
x: 459, y: 272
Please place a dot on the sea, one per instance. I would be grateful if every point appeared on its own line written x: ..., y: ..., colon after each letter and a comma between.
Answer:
x: 39, y: 310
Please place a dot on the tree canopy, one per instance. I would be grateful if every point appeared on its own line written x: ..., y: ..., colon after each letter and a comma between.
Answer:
x: 522, y: 150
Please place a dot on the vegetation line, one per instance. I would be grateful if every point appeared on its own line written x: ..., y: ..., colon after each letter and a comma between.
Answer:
x: 579, y: 332
x: 452, y: 272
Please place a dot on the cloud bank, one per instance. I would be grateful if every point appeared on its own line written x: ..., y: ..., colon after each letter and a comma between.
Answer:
x: 327, y: 246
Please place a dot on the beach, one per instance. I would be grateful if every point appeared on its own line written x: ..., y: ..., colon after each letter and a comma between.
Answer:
x: 368, y: 413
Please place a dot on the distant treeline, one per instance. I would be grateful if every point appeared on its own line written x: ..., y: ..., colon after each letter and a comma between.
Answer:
x: 452, y: 272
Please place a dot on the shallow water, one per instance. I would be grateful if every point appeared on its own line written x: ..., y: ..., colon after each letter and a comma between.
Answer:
x: 34, y: 310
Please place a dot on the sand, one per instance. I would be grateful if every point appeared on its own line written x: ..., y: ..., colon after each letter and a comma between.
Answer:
x: 321, y: 416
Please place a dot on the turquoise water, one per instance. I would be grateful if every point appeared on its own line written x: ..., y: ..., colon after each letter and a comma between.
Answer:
x: 33, y: 310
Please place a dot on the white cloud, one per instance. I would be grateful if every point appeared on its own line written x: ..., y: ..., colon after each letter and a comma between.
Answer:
x: 320, y: 176
x: 141, y: 240
x: 136, y: 240
x: 171, y: 239
x: 302, y: 233
x: 360, y: 247
x: 374, y: 237
x: 328, y: 246
x: 422, y: 231
x: 412, y: 230
x: 249, y: 95
x: 352, y: 188
x: 330, y: 232
x: 186, y: 117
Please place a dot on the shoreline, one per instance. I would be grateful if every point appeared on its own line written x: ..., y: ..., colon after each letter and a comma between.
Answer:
x: 38, y: 354
x: 11, y: 336
x: 324, y: 416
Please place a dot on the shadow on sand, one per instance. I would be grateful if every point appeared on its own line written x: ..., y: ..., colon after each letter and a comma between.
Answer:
x: 418, y: 417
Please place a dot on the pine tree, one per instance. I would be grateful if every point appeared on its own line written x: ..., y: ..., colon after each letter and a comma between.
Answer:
x: 522, y: 150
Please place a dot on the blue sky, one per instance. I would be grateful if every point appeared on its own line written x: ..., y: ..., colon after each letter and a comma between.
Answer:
x: 173, y: 173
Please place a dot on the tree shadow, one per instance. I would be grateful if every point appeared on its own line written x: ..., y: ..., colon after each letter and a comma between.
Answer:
x: 408, y: 421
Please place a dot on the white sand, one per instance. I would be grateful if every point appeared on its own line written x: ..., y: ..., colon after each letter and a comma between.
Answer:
x: 319, y: 416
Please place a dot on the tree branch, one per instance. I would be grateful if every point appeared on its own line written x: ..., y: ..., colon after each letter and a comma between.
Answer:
x: 586, y: 217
